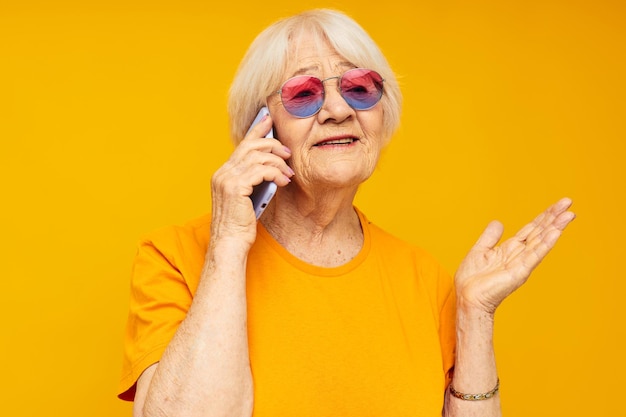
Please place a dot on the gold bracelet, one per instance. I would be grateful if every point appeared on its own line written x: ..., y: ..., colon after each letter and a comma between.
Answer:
x: 475, y: 397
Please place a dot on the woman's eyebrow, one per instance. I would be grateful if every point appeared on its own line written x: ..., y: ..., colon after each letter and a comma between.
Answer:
x: 345, y: 64
x: 305, y: 70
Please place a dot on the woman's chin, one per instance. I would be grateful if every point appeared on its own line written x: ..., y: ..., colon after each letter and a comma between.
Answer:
x: 336, y: 177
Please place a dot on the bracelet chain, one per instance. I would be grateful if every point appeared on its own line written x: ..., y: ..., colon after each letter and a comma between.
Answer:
x: 475, y: 397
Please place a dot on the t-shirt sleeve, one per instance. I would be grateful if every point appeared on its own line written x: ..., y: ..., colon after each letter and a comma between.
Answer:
x: 447, y: 322
x: 159, y: 301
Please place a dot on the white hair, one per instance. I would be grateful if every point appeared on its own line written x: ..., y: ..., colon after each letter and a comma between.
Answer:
x: 262, y: 69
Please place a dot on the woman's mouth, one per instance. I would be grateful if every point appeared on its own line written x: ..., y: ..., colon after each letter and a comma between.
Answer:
x: 337, y: 141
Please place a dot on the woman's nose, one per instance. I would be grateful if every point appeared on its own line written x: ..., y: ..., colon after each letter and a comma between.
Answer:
x: 335, y: 108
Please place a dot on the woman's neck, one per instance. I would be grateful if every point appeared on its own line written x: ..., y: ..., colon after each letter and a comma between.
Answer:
x: 321, y: 229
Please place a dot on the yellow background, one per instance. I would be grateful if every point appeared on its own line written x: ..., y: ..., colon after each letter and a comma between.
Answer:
x: 112, y: 119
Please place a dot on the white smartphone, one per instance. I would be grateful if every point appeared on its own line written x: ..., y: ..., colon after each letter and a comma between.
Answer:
x: 262, y: 193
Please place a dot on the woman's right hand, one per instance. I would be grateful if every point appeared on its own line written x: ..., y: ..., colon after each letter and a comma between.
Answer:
x: 254, y: 160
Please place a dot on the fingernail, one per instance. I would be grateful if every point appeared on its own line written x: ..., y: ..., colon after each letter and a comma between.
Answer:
x: 291, y: 171
x: 287, y: 178
x: 287, y: 150
x: 264, y: 118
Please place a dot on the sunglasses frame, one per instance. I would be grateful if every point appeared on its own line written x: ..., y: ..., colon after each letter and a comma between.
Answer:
x: 322, y: 81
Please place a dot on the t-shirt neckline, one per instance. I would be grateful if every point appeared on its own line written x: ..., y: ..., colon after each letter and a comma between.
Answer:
x: 314, y: 269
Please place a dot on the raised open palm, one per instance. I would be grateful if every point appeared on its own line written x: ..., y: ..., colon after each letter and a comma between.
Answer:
x: 490, y: 272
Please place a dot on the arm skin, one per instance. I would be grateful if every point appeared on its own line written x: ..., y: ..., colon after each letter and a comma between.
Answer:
x: 487, y: 275
x: 205, y: 370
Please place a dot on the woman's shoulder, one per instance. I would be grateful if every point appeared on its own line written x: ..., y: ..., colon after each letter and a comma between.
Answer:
x: 390, y: 242
x: 403, y: 257
x: 181, y: 237
x: 176, y: 251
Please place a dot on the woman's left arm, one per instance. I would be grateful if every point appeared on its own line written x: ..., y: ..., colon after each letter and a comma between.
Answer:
x: 488, y: 274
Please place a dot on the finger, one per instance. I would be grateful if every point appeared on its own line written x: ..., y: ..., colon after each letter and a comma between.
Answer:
x: 549, y: 219
x: 269, y: 145
x: 536, y: 249
x: 525, y: 231
x: 260, y: 130
x: 543, y: 220
x: 256, y: 174
x: 490, y: 236
x: 534, y: 253
x: 279, y: 149
x: 563, y: 204
x: 548, y: 237
x: 229, y: 186
x: 564, y: 219
x: 262, y: 151
x: 238, y: 168
x: 267, y: 159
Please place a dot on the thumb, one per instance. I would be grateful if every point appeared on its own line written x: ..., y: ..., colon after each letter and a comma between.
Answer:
x: 490, y: 236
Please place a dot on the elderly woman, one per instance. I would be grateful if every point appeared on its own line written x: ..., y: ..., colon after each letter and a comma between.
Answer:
x: 313, y: 310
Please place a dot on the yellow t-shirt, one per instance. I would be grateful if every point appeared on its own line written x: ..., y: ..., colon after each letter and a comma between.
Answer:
x: 373, y: 337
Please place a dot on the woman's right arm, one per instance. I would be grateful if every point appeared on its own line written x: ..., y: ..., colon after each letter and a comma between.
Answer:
x: 205, y: 370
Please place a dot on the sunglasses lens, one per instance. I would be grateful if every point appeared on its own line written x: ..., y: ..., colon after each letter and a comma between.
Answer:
x: 361, y: 88
x: 302, y: 96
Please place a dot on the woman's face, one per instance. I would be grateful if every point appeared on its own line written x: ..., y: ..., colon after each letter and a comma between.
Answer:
x: 338, y: 147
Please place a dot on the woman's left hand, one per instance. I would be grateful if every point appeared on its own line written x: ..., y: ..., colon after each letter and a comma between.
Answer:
x: 489, y: 273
